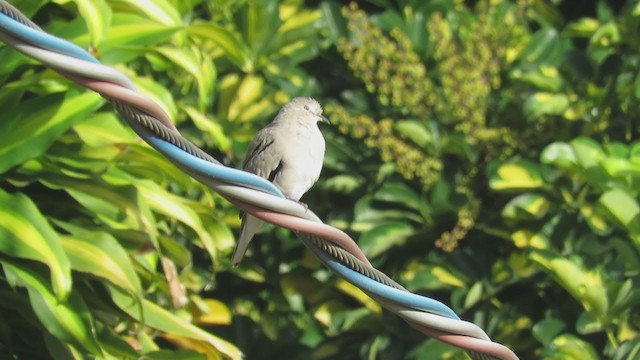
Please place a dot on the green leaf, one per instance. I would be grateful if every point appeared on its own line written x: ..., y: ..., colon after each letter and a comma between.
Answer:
x: 384, y: 236
x: 547, y: 47
x: 596, y: 221
x: 11, y: 60
x: 586, y: 286
x: 25, y: 233
x: 246, y: 101
x: 515, y: 174
x: 177, y: 355
x: 58, y: 349
x: 542, y: 76
x: 298, y: 38
x: 623, y: 293
x: 28, y: 130
x: 547, y: 329
x: 161, y: 11
x: 430, y: 278
x: 543, y: 103
x: 367, y: 216
x: 334, y: 20
x: 621, y: 168
x: 616, y: 150
x: 211, y: 311
x: 299, y: 20
x: 584, y: 27
x: 258, y: 22
x: 199, y: 66
x: 529, y: 239
x: 175, y: 251
x: 588, y: 324
x: 401, y: 195
x: 117, y: 346
x: 590, y: 157
x: 378, y: 346
x: 350, y: 290
x: 221, y: 235
x: 559, y: 154
x: 178, y: 208
x: 416, y: 132
x: 11, y: 93
x: 118, y: 206
x: 606, y: 35
x: 474, y: 295
x: 160, y: 319
x: 144, y: 162
x: 623, y: 208
x: 97, y: 15
x: 588, y: 152
x: 237, y: 51
x: 211, y: 127
x: 206, y: 77
x: 343, y: 183
x: 30, y: 7
x: 69, y: 320
x: 130, y: 36
x: 447, y: 276
x: 634, y: 153
x: 570, y: 347
x: 434, y: 349
x: 527, y: 206
x: 104, y: 129
x: 100, y: 254
x: 457, y: 144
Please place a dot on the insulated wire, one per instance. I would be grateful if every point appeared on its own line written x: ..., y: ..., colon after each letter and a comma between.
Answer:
x: 249, y: 192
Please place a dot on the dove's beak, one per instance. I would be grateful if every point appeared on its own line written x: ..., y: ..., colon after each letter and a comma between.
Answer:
x: 323, y: 119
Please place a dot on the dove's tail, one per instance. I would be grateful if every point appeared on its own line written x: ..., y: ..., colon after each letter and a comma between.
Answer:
x: 250, y: 226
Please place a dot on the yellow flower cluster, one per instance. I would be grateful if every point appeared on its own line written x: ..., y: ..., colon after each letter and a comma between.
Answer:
x: 389, y: 67
x: 449, y: 240
x: 410, y: 162
x: 469, y: 57
x: 468, y: 63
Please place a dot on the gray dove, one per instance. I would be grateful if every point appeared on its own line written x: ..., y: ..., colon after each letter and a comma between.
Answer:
x: 289, y: 153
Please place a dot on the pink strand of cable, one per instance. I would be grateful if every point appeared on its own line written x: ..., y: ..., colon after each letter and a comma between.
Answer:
x: 297, y: 224
x: 496, y: 350
x: 119, y: 93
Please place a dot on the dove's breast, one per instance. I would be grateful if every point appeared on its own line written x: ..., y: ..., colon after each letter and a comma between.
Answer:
x: 302, y: 164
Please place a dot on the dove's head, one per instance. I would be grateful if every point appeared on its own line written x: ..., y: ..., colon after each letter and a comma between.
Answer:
x: 303, y: 109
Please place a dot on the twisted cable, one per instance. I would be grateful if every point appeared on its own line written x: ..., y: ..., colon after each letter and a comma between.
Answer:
x: 249, y: 192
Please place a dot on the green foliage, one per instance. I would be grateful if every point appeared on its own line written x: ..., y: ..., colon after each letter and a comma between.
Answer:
x: 106, y: 248
x: 528, y: 116
x: 483, y: 154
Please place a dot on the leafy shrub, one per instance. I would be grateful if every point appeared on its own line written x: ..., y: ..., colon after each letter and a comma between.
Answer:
x: 483, y: 154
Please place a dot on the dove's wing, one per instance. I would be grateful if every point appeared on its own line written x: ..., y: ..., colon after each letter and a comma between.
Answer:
x: 264, y: 158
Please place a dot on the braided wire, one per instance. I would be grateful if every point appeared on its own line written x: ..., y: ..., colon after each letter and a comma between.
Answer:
x: 352, y: 262
x: 247, y: 190
x: 16, y: 15
x: 132, y: 114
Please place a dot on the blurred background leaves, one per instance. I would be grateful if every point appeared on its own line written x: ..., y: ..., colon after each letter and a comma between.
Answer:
x: 483, y: 153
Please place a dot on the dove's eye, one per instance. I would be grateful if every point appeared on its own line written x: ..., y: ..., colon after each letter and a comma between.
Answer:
x: 306, y: 107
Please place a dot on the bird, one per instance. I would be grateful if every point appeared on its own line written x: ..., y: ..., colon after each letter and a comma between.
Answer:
x: 289, y: 152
